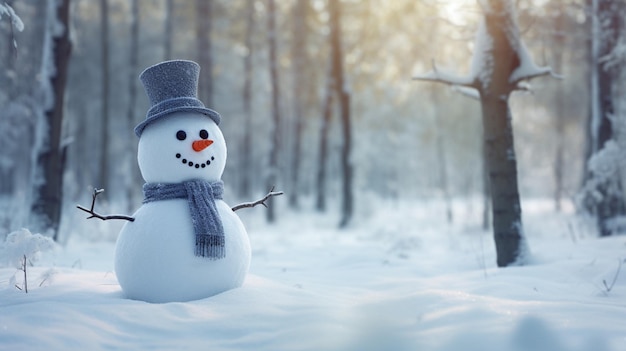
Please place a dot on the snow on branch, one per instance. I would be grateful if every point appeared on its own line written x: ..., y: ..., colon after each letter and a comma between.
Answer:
x: 469, y: 92
x: 16, y: 21
x: 444, y: 76
x: 527, y: 68
x: 482, y: 63
x: 483, y: 56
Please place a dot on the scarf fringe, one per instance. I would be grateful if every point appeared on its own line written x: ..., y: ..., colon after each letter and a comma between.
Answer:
x: 211, y: 246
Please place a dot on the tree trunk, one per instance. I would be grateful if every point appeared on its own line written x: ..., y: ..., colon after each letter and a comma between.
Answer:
x: 344, y: 107
x: 272, y: 176
x: 169, y: 30
x: 327, y: 110
x: 299, y: 65
x: 104, y: 141
x: 441, y: 157
x: 486, y: 189
x: 48, y: 193
x: 559, y: 40
x: 133, y: 66
x: 505, y: 202
x: 246, y: 143
x: 498, y: 137
x: 346, y: 179
x: 205, y: 55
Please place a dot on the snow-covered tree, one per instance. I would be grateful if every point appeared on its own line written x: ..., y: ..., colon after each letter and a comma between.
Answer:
x: 603, y: 191
x: 500, y: 65
x: 343, y: 94
x: 48, y: 179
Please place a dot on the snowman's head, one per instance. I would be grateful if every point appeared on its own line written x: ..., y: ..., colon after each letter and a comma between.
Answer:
x: 181, y: 147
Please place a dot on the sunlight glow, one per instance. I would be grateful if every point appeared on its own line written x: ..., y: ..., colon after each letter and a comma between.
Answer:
x: 458, y: 12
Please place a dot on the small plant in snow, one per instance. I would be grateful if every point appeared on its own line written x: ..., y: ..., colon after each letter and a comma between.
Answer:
x: 20, y: 249
x: 609, y: 286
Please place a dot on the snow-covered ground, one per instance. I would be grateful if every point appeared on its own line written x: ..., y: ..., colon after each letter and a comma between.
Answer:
x: 399, y: 279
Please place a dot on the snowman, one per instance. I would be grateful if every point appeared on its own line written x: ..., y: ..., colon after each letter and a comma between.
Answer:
x: 184, y: 243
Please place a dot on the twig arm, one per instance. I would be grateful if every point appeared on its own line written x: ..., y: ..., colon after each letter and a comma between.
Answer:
x: 258, y: 202
x: 93, y: 214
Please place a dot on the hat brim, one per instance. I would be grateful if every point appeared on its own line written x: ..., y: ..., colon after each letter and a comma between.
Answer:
x: 203, y: 110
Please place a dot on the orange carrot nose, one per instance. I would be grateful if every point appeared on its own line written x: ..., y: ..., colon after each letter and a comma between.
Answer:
x: 199, y: 145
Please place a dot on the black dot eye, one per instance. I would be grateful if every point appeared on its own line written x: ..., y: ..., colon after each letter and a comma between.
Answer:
x: 204, y: 134
x: 181, y: 135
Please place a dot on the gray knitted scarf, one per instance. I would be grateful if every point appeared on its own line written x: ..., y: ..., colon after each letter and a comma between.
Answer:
x: 200, y: 195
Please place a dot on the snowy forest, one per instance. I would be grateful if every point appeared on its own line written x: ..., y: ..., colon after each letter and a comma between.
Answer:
x: 443, y: 165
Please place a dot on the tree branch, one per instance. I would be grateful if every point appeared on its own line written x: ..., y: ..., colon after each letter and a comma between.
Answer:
x: 258, y: 202
x: 517, y: 77
x: 441, y: 76
x: 93, y: 214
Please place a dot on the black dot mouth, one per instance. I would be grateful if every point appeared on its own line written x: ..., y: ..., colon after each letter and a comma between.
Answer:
x: 194, y: 164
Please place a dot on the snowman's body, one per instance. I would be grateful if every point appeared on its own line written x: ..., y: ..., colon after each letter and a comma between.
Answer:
x: 154, y: 257
x: 155, y: 261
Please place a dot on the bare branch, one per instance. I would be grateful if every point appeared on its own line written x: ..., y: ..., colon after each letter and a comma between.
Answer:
x: 93, y: 214
x: 258, y: 202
